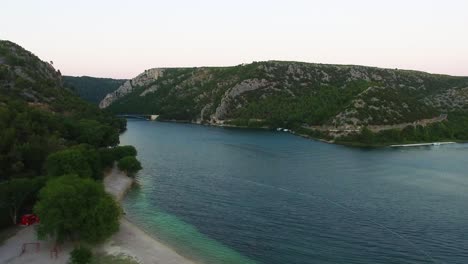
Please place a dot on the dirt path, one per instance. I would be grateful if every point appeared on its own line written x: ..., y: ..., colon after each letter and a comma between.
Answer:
x: 10, y: 251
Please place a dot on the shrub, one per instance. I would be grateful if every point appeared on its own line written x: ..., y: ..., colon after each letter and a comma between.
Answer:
x: 124, y: 151
x: 130, y: 165
x: 110, y: 155
x: 81, y: 255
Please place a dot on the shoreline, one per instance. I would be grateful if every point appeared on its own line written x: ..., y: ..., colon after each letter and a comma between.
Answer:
x: 306, y: 136
x: 132, y: 240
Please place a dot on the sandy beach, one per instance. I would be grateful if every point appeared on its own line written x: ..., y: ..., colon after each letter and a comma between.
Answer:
x: 129, y: 240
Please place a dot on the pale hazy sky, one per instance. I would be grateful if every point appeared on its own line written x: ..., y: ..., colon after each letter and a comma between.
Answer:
x: 123, y: 38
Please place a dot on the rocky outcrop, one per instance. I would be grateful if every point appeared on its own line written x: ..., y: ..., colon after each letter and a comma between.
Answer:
x: 151, y: 89
x: 450, y: 100
x: 144, y: 79
x: 231, y: 94
x: 26, y: 75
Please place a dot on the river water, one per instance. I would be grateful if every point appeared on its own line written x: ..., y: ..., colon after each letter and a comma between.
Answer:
x: 221, y: 195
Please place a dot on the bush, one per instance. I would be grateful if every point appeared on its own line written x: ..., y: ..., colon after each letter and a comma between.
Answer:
x: 130, y: 165
x: 114, y: 259
x: 124, y: 151
x: 111, y: 155
x: 81, y: 255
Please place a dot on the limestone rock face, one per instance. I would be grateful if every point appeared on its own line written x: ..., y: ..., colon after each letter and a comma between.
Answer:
x: 145, y: 78
x: 151, y: 89
x: 231, y: 94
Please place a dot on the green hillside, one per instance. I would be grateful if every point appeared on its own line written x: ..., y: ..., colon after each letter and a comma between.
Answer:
x: 45, y: 131
x: 91, y: 89
x: 334, y: 102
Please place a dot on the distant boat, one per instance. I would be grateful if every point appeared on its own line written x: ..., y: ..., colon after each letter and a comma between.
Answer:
x: 436, y: 143
x: 286, y: 130
x: 279, y: 129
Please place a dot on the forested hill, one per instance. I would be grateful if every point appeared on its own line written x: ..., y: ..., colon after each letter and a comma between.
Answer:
x: 331, y: 100
x: 54, y: 149
x: 92, y: 89
x: 38, y: 116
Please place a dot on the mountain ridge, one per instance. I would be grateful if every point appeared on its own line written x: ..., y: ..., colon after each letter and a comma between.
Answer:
x: 273, y: 94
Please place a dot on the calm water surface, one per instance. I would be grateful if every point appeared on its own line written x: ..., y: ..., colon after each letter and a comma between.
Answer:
x: 247, y: 196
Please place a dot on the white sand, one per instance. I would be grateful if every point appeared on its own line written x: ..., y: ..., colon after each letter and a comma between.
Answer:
x: 117, y: 183
x: 129, y: 240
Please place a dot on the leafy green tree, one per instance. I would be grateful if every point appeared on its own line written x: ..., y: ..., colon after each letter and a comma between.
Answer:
x: 90, y: 132
x: 16, y: 192
x: 93, y: 158
x: 69, y: 161
x: 76, y: 208
x: 129, y: 164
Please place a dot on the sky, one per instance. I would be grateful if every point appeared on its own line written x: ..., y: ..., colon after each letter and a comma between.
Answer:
x: 120, y: 39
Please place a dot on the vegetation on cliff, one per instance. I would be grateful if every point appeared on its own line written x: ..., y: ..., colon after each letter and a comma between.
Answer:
x: 332, y: 101
x: 91, y: 89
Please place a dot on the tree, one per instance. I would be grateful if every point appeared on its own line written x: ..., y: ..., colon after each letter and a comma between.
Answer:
x: 94, y: 133
x: 14, y: 194
x: 71, y: 207
x: 93, y: 158
x: 83, y: 160
x: 129, y: 164
x: 69, y: 161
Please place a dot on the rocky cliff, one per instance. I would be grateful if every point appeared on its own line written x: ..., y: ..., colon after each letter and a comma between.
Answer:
x: 141, y: 80
x: 23, y: 75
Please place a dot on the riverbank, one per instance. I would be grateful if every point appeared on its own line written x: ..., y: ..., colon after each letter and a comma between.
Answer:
x: 131, y: 240
x: 308, y: 134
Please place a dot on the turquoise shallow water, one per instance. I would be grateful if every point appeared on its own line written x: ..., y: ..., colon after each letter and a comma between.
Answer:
x: 249, y: 196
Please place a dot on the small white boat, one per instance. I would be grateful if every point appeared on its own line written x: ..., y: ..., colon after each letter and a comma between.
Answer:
x: 279, y: 129
x: 286, y: 130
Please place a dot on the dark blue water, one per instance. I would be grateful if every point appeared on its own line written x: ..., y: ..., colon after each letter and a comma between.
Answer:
x: 249, y: 196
